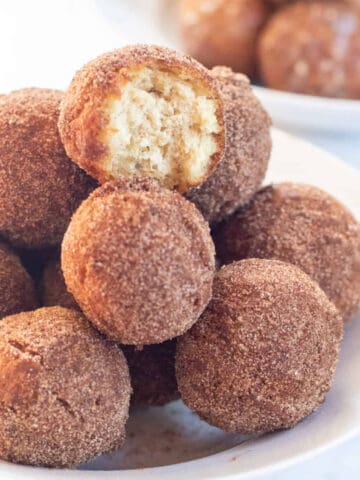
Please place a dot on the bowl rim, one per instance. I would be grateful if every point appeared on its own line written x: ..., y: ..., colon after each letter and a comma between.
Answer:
x: 310, y: 100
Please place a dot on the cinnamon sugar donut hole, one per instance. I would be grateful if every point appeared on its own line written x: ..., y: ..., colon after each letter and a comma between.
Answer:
x: 313, y: 48
x: 144, y: 111
x: 248, y: 146
x: 139, y: 263
x: 303, y: 225
x: 64, y: 389
x: 40, y: 187
x: 263, y: 355
x: 222, y: 32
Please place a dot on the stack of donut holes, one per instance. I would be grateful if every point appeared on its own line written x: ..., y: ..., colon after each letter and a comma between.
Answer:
x: 142, y: 261
x: 302, y: 46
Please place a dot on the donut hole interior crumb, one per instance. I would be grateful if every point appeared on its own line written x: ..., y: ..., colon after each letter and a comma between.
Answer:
x: 162, y: 125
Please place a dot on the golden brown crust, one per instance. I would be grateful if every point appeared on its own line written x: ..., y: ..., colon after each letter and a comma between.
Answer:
x: 133, y: 184
x: 82, y: 115
x: 248, y: 146
x: 17, y: 292
x: 64, y: 390
x: 264, y: 352
x: 53, y: 291
x: 222, y: 32
x: 303, y: 225
x: 152, y: 373
x: 322, y: 49
x: 39, y: 186
x: 139, y: 263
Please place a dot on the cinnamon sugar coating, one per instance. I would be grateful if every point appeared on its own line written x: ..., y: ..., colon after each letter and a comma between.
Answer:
x: 248, y: 146
x: 152, y: 373
x: 40, y: 186
x: 140, y: 264
x: 17, y: 292
x: 303, y: 225
x: 264, y: 352
x: 65, y: 390
x: 313, y: 48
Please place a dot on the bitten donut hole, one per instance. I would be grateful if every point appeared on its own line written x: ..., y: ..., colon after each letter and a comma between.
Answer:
x: 163, y: 125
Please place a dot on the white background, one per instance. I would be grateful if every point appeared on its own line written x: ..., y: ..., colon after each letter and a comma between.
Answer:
x: 43, y: 42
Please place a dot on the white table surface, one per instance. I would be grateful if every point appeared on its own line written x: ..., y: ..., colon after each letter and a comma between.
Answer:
x: 42, y: 42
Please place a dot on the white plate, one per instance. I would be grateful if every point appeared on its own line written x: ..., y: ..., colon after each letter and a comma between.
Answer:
x: 172, y: 434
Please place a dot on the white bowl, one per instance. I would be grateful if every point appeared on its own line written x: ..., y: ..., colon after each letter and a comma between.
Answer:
x: 187, y: 447
x: 306, y: 112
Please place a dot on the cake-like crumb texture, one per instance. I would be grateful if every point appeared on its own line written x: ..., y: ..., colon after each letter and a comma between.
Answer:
x: 17, y: 291
x: 264, y: 352
x: 313, y: 48
x: 139, y: 262
x: 152, y: 373
x: 53, y: 291
x: 40, y: 187
x: 247, y: 149
x: 303, y: 225
x: 144, y: 111
x: 64, y: 390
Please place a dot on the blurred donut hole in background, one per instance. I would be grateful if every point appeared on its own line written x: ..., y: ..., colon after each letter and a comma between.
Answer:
x: 309, y: 47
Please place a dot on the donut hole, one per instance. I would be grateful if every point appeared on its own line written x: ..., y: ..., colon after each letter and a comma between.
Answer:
x: 164, y: 125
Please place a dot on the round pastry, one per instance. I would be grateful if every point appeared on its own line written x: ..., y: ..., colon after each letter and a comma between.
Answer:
x: 264, y: 352
x: 322, y: 49
x: 222, y: 32
x: 139, y: 263
x: 152, y: 373
x: 39, y: 186
x: 303, y: 225
x: 248, y: 146
x: 17, y: 292
x: 53, y: 290
x: 65, y: 390
x: 144, y: 111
